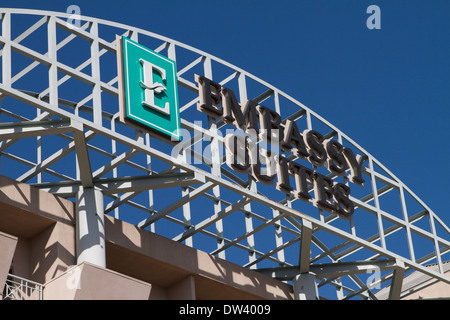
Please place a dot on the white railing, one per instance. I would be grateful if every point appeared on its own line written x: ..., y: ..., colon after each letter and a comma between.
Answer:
x: 17, y: 288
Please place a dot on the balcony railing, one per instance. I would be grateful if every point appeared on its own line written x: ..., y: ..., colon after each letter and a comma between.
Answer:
x: 17, y: 288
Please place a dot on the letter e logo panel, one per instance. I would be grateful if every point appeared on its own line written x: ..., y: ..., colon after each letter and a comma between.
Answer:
x: 150, y: 90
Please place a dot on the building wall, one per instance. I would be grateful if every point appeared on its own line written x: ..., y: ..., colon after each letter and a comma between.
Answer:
x: 435, y: 291
x: 420, y: 286
x: 137, y: 261
x: 44, y: 226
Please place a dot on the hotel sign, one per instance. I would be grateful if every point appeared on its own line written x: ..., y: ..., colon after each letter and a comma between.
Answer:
x: 148, y: 97
x: 259, y: 123
x: 149, y: 89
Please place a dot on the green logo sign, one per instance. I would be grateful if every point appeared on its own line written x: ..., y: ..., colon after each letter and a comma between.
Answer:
x: 150, y: 89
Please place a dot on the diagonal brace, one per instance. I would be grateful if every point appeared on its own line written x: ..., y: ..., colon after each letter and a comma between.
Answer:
x: 140, y: 183
x: 177, y: 204
x: 305, y: 246
x: 27, y: 129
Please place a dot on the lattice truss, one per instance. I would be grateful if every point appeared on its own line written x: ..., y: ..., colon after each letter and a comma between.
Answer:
x: 60, y: 131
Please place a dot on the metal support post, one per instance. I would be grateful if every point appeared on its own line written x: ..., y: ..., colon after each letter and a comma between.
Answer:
x: 305, y: 287
x: 90, y: 227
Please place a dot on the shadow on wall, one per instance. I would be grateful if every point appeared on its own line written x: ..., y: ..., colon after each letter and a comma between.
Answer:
x: 163, y: 262
x: 44, y: 225
x: 23, y: 196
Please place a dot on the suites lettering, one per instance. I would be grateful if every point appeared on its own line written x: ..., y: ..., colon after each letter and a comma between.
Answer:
x: 244, y: 153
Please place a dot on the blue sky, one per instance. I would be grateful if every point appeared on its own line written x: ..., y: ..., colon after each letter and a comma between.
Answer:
x: 387, y: 89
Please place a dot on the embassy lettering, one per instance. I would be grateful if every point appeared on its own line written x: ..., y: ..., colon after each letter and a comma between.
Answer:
x: 259, y: 123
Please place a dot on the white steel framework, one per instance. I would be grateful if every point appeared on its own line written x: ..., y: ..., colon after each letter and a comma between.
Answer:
x: 60, y: 131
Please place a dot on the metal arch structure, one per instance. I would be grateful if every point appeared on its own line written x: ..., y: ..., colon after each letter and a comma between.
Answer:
x: 60, y: 132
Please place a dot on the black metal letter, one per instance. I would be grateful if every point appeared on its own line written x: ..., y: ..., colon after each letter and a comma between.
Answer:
x: 336, y: 162
x: 313, y: 140
x: 283, y: 183
x: 323, y: 191
x: 210, y: 98
x: 355, y: 164
x: 345, y: 207
x: 302, y: 176
x: 293, y: 139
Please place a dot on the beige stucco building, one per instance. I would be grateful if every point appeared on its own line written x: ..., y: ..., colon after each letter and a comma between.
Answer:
x: 418, y: 286
x: 37, y: 243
